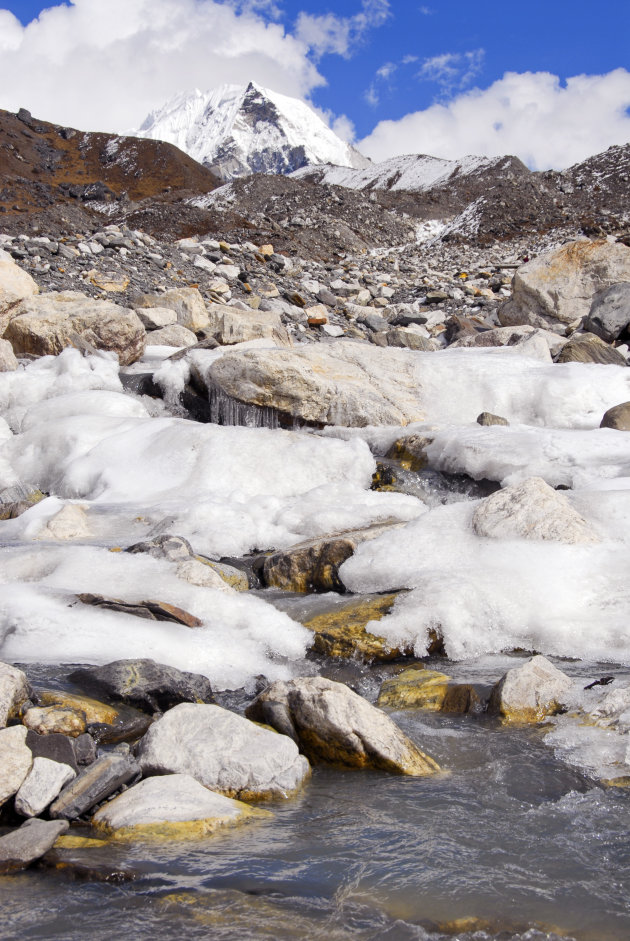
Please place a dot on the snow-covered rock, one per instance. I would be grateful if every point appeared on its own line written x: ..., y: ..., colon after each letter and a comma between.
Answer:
x: 236, y: 130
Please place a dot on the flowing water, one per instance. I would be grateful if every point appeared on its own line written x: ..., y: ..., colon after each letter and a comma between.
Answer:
x: 507, y: 843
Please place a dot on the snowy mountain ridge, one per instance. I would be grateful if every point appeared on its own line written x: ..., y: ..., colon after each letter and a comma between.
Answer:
x: 235, y: 130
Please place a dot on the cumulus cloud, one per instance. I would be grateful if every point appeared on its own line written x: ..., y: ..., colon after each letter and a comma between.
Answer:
x: 104, y: 64
x: 329, y: 33
x: 532, y: 114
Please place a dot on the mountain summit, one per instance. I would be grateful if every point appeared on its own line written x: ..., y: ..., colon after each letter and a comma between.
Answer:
x: 235, y: 130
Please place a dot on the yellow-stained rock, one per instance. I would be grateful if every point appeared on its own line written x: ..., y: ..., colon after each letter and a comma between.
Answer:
x: 419, y: 689
x: 95, y: 711
x: 55, y: 719
x: 410, y: 451
x: 342, y: 633
x: 107, y: 282
x: 68, y: 841
x: 233, y: 576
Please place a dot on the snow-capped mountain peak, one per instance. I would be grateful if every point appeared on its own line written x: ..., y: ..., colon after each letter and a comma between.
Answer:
x: 236, y: 130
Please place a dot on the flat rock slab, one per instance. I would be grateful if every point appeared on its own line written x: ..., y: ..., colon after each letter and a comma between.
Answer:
x: 42, y: 784
x: 531, y: 510
x: 94, y: 785
x: 16, y: 760
x: 224, y: 752
x: 332, y: 724
x: 145, y: 684
x: 14, y: 690
x: 172, y: 806
x: 29, y: 843
x: 56, y: 747
x: 151, y: 610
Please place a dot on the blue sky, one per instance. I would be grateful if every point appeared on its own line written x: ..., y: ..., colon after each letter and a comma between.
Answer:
x: 399, y: 76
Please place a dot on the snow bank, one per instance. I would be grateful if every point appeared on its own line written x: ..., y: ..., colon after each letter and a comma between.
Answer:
x: 487, y: 595
x: 42, y: 621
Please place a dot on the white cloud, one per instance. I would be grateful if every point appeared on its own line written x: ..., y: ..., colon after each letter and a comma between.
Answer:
x: 104, y: 64
x: 329, y: 33
x: 452, y: 71
x: 530, y: 114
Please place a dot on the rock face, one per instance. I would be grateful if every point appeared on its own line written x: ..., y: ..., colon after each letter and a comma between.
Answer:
x: 15, y: 286
x: 334, y: 725
x: 556, y: 289
x: 16, y: 760
x: 42, y: 784
x: 14, y: 690
x: 341, y: 382
x: 230, y: 325
x: 24, y: 846
x: 531, y: 510
x: 172, y: 806
x: 224, y: 752
x: 531, y: 692
x: 145, y: 684
x: 617, y: 417
x: 47, y: 324
x: 609, y: 315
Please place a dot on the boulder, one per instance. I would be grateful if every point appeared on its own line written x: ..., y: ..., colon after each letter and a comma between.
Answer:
x: 8, y: 360
x: 410, y: 451
x: 531, y: 510
x: 153, y: 318
x: 617, y: 417
x: 609, y: 315
x: 188, y: 304
x: 587, y: 348
x: 14, y: 692
x: 409, y: 339
x: 171, y: 548
x: 224, y: 752
x: 71, y: 522
x: 149, y: 610
x: 144, y: 684
x: 16, y: 760
x: 310, y: 567
x: 95, y: 712
x: 58, y: 748
x: 55, y: 719
x: 339, y: 382
x: 342, y: 631
x: 333, y: 725
x: 174, y: 806
x: 48, y: 323
x: 233, y: 577
x: 29, y: 843
x: 196, y: 573
x: 517, y: 336
x: 173, y: 335
x: 230, y: 325
x: 487, y: 418
x: 93, y: 785
x: 15, y: 286
x: 530, y: 692
x: 41, y: 786
x: 555, y: 290
x: 420, y: 689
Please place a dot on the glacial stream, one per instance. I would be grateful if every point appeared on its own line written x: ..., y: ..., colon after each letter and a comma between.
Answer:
x: 508, y: 843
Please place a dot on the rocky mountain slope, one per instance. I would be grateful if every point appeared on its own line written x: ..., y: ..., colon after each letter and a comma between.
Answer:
x: 236, y: 130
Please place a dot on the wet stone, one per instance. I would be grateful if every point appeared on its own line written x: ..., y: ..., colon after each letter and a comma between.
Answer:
x: 94, y: 785
x: 27, y: 844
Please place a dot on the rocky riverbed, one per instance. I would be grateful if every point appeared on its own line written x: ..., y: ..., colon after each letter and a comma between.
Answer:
x: 333, y: 550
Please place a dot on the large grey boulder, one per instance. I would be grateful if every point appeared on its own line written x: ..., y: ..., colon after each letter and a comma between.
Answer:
x: 172, y: 806
x: 224, y: 752
x: 41, y: 786
x: 617, y: 417
x: 29, y: 843
x: 15, y: 285
x: 48, y: 323
x: 341, y: 382
x: 587, y: 348
x: 517, y: 336
x: 16, y: 760
x: 610, y: 312
x: 556, y: 289
x: 229, y: 325
x: 144, y: 684
x: 172, y: 335
x: 530, y: 692
x: 531, y: 510
x: 332, y: 724
x: 14, y: 691
x: 94, y: 785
